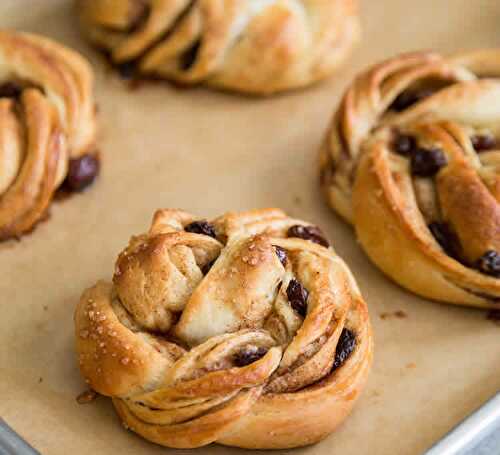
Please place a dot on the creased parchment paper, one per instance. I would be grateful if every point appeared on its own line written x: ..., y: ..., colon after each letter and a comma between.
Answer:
x: 208, y: 153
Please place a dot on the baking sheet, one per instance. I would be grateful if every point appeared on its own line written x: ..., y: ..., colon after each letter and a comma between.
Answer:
x: 478, y: 434
x: 11, y: 443
x: 209, y: 152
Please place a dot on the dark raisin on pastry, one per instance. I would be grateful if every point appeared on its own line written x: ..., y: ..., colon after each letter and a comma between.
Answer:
x: 189, y: 57
x: 489, y: 263
x: 408, y: 98
x: 248, y: 355
x: 427, y: 162
x: 297, y: 296
x: 312, y: 233
x: 201, y: 227
x: 494, y: 315
x: 206, y: 268
x: 483, y: 142
x: 446, y: 238
x: 281, y: 253
x: 10, y: 90
x: 127, y: 70
x: 345, y: 347
x: 404, y: 144
x: 82, y: 172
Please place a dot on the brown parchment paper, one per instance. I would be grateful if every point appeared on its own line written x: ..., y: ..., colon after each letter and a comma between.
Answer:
x: 208, y: 153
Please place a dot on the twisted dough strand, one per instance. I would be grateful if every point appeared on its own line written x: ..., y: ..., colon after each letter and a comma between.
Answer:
x: 255, y: 46
x: 47, y: 119
x: 197, y: 340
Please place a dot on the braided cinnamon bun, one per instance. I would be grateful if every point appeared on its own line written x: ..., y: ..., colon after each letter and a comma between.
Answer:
x: 250, y: 46
x: 248, y: 331
x: 413, y: 161
x: 47, y: 127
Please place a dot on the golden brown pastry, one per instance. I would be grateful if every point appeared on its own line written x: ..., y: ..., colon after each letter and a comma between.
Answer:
x: 250, y: 46
x: 47, y: 127
x: 248, y: 331
x: 413, y: 161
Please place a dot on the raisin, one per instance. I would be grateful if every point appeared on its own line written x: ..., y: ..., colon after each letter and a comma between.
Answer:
x: 404, y: 144
x: 201, y: 227
x: 483, y: 142
x: 81, y: 173
x: 494, y: 315
x: 427, y: 162
x: 297, y: 296
x: 281, y: 253
x: 345, y: 347
x: 249, y: 355
x: 446, y: 238
x: 312, y: 233
x: 489, y: 263
x: 189, y: 57
x: 408, y: 98
x: 127, y: 70
x: 206, y: 268
x: 10, y: 90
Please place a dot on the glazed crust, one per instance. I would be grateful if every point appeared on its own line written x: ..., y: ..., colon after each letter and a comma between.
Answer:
x: 443, y: 104
x: 164, y: 339
x: 47, y: 119
x: 249, y: 46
